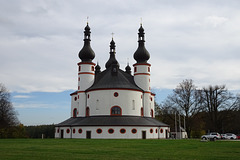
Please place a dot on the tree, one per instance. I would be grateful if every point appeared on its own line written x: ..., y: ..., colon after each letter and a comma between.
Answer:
x: 186, y: 100
x: 215, y: 99
x: 7, y: 113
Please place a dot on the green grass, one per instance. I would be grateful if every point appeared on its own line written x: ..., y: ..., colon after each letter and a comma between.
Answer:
x: 63, y: 149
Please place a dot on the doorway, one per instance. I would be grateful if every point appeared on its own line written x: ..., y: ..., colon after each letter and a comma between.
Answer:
x: 88, y: 134
x: 166, y: 132
x: 62, y: 132
x: 143, y: 134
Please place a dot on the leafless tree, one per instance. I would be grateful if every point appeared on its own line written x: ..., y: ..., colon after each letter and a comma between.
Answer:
x: 215, y: 99
x: 7, y: 113
x: 186, y: 99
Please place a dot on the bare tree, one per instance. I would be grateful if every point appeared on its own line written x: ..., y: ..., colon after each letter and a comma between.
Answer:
x: 216, y: 98
x: 7, y: 113
x: 186, y: 100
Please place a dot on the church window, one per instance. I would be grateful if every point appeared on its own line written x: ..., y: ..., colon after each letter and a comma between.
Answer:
x: 74, y: 130
x: 97, y: 104
x: 110, y: 131
x: 92, y: 68
x: 116, y: 111
x: 79, y: 68
x: 78, y: 78
x: 151, y: 112
x: 156, y: 130
x: 151, y: 130
x: 142, y: 111
x: 58, y: 130
x: 133, y: 104
x: 134, y: 131
x: 68, y: 130
x: 87, y: 111
x: 78, y: 87
x: 99, y: 130
x: 75, y: 98
x: 75, y: 112
x: 122, y: 130
x: 115, y: 94
x: 161, y: 130
x: 148, y: 69
x: 88, y: 96
x: 135, y: 69
x: 79, y: 130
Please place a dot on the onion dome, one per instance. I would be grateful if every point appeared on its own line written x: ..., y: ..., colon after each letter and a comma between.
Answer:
x: 128, y: 69
x: 112, y: 58
x: 86, y: 54
x: 141, y: 55
x: 97, y: 69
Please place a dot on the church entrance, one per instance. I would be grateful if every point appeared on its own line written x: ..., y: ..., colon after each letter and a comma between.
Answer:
x: 143, y: 134
x: 62, y: 132
x: 88, y: 134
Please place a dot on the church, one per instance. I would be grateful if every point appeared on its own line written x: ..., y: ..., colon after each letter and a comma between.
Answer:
x: 112, y: 103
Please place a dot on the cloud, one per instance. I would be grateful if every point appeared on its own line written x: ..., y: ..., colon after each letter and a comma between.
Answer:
x: 21, y: 96
x: 40, y: 41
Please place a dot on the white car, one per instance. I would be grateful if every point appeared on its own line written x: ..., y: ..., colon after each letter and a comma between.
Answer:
x: 223, y: 136
x: 231, y: 136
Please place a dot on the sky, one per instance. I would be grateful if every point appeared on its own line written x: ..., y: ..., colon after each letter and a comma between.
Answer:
x: 40, y: 41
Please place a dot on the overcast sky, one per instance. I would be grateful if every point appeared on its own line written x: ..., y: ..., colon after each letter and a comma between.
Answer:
x: 187, y: 39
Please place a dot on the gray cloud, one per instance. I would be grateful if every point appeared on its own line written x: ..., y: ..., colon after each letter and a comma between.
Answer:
x: 40, y: 40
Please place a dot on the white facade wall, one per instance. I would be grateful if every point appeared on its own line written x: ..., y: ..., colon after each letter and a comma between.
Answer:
x: 151, y: 132
x: 100, y: 102
x: 74, y: 103
x: 142, y: 76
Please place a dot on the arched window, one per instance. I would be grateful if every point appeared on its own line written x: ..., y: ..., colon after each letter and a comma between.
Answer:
x: 116, y: 111
x: 75, y: 112
x: 142, y: 111
x: 152, y: 112
x: 87, y: 111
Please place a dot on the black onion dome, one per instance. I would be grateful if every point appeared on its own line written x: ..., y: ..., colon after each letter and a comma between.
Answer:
x: 128, y: 69
x: 141, y: 55
x: 86, y: 54
x: 97, y: 68
x: 112, y: 58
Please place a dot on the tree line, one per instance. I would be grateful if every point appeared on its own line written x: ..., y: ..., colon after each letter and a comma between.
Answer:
x: 206, y: 109
x: 10, y: 127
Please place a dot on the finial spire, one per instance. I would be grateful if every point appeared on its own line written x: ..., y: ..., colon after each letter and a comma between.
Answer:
x: 112, y: 34
x: 141, y: 21
x: 87, y: 19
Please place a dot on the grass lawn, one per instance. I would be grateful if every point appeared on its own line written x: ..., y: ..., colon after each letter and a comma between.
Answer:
x: 117, y: 149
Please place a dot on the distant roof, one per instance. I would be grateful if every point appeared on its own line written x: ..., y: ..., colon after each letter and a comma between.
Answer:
x: 121, y: 80
x: 112, y: 121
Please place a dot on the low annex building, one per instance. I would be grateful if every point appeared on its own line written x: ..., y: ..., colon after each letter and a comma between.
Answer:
x: 113, y: 103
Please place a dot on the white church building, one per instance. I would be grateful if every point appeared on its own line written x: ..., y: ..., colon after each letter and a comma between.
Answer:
x: 113, y: 103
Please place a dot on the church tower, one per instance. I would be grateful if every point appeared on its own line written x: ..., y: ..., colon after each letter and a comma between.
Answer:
x: 142, y: 74
x: 85, y: 73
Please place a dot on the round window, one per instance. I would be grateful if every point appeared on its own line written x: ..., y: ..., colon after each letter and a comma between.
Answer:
x: 134, y: 131
x: 115, y: 94
x: 99, y: 130
x: 151, y: 130
x: 161, y: 130
x: 79, y: 130
x: 111, y: 131
x: 122, y: 130
x: 68, y: 130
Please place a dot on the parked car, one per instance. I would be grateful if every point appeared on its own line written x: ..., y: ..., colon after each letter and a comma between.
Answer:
x: 213, y: 135
x: 231, y: 136
x: 238, y: 136
x: 223, y: 136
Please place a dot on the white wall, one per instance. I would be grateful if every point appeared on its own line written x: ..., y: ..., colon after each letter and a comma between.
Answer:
x: 101, y: 101
x: 116, y: 135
